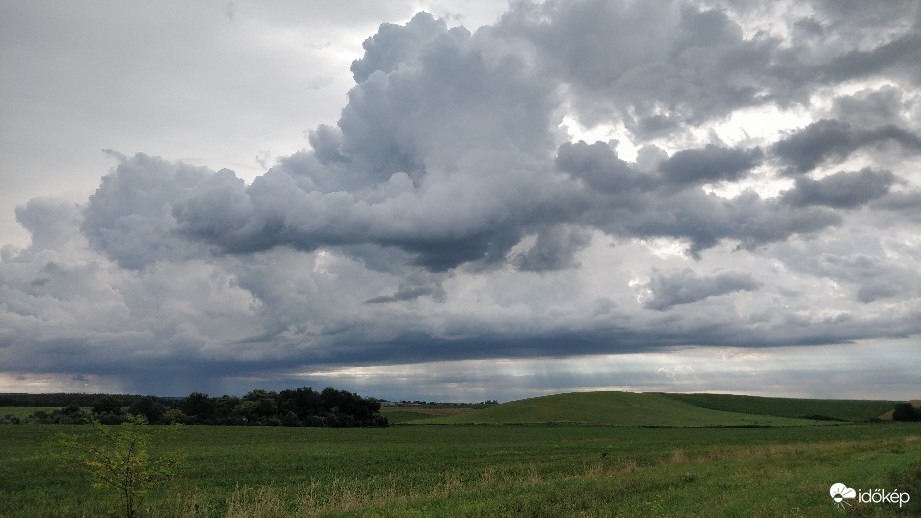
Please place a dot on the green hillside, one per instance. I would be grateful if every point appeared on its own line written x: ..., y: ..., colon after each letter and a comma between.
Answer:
x: 613, y: 408
x: 888, y: 415
x: 841, y: 409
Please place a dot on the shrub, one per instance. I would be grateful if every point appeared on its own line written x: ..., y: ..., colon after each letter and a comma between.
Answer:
x: 906, y: 412
x: 117, y: 458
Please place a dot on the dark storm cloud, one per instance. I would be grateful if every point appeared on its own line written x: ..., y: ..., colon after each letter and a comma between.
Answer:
x: 629, y: 201
x: 685, y: 287
x: 553, y: 250
x: 710, y: 164
x: 900, y: 55
x: 830, y: 140
x: 599, y: 167
x: 908, y: 204
x: 840, y: 190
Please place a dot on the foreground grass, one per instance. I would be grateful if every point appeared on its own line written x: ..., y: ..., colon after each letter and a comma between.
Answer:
x: 486, y: 471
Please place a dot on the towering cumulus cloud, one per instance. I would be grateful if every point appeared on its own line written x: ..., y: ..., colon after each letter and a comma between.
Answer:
x: 753, y: 187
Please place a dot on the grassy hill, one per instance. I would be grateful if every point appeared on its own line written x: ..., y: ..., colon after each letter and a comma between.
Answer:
x: 839, y: 409
x: 613, y: 408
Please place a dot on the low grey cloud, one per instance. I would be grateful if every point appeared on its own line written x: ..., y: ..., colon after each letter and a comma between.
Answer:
x: 685, y: 287
x: 413, y: 287
x: 832, y: 141
x: 553, y: 249
x: 841, y: 190
x: 872, y: 107
x: 710, y: 164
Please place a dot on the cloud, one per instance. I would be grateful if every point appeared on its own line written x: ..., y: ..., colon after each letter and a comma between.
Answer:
x: 448, y: 215
x: 710, y: 164
x: 413, y: 287
x: 553, y: 249
x: 448, y: 151
x: 628, y: 201
x: 833, y: 140
x: 841, y: 190
x: 394, y: 45
x: 872, y: 107
x: 685, y: 287
x: 129, y: 216
x: 689, y: 66
x: 49, y: 221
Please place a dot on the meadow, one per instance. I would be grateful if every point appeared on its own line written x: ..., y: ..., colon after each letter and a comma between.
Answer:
x: 616, y: 409
x: 485, y: 470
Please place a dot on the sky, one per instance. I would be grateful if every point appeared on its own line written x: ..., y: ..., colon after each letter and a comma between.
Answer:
x: 461, y: 201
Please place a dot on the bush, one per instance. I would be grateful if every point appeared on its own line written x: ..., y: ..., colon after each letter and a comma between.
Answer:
x: 117, y: 458
x: 174, y: 415
x: 906, y: 412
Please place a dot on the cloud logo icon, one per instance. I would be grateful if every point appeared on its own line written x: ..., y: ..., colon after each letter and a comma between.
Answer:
x: 839, y: 492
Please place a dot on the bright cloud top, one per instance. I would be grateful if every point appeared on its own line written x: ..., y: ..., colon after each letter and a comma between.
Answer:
x: 449, y: 215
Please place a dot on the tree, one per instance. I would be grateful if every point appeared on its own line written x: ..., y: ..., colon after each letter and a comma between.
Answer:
x: 906, y: 412
x: 198, y: 405
x: 148, y: 407
x: 117, y: 457
x: 108, y: 405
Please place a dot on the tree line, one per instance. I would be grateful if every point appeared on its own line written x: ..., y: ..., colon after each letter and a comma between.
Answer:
x: 291, y: 407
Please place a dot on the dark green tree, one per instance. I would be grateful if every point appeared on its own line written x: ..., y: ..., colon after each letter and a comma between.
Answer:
x: 108, y: 405
x: 148, y: 407
x: 906, y: 412
x: 198, y: 406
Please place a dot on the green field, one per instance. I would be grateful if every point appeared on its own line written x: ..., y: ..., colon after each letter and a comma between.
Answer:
x: 23, y: 412
x: 562, y: 469
x: 407, y: 414
x: 614, y: 409
x: 843, y: 409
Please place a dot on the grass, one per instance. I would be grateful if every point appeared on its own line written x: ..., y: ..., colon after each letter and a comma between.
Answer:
x: 483, y: 471
x: 615, y: 409
x: 843, y: 409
